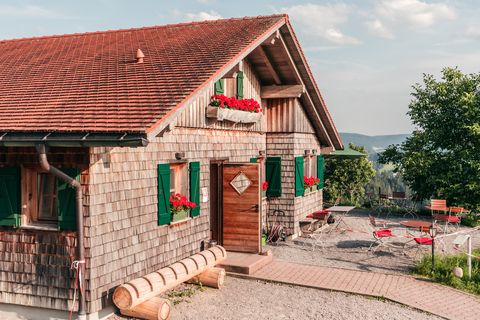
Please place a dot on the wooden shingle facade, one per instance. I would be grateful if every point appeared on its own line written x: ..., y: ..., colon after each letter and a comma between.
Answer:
x: 127, y: 181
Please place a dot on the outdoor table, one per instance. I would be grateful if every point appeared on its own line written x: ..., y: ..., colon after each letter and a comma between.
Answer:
x: 416, y: 224
x: 343, y: 211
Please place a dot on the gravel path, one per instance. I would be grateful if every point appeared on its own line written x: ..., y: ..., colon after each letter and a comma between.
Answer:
x: 247, y: 299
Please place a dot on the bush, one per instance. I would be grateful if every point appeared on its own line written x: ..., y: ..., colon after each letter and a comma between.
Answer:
x: 444, y: 265
x: 471, y: 220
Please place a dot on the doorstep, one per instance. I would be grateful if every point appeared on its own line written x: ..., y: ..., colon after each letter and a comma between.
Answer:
x: 245, y: 263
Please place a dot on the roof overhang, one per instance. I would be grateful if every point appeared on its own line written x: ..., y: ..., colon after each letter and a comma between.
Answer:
x: 72, y: 139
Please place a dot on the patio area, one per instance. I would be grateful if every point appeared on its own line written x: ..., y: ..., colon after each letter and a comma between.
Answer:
x: 347, y: 246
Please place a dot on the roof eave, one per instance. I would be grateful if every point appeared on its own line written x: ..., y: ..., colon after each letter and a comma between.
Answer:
x: 72, y: 139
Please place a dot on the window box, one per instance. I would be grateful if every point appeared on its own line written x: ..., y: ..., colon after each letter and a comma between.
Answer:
x: 180, y: 215
x: 236, y: 116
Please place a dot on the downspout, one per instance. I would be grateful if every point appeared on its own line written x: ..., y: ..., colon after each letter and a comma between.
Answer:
x: 79, y: 203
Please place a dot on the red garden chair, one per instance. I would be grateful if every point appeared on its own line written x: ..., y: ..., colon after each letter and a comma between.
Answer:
x: 381, y: 237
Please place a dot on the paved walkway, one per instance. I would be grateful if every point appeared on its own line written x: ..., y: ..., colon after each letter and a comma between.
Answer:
x: 437, y: 299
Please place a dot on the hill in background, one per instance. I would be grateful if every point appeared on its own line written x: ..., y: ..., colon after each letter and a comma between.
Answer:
x: 373, y: 144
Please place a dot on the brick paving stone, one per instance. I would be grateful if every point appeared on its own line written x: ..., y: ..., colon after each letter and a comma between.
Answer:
x: 417, y: 293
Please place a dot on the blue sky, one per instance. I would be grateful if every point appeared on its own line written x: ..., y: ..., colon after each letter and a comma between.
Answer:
x: 365, y: 54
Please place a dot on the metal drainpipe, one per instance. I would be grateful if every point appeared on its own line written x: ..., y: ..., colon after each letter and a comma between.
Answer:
x: 79, y: 203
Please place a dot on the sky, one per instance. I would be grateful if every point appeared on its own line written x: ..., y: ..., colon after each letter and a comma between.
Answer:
x: 365, y: 54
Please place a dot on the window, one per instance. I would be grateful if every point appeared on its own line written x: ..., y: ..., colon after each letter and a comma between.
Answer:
x: 45, y: 201
x: 175, y: 178
x: 47, y: 197
x: 179, y: 179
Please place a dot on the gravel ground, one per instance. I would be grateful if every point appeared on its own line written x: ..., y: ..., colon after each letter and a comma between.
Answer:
x: 248, y: 299
x: 349, y: 249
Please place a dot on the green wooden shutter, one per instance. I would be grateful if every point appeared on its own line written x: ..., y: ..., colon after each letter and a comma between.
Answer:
x: 274, y: 176
x: 67, y: 211
x: 253, y: 160
x: 195, y: 187
x: 219, y: 87
x: 10, y: 194
x: 163, y: 194
x: 239, y: 85
x: 320, y: 171
x: 299, y: 189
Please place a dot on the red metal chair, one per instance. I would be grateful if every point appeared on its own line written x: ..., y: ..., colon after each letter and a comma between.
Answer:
x: 424, y: 239
x: 381, y: 237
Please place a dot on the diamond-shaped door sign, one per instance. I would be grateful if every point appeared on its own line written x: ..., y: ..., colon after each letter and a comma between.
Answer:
x: 240, y: 183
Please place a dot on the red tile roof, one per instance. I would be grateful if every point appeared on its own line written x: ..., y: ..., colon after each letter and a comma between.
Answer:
x: 91, y: 82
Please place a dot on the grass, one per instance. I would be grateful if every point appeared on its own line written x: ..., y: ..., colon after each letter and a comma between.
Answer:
x: 184, y: 293
x: 444, y: 265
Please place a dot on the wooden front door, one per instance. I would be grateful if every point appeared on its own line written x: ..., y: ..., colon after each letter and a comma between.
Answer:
x: 241, y: 207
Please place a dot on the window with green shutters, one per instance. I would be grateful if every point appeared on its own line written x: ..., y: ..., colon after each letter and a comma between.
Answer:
x: 299, y: 189
x: 163, y: 193
x: 166, y: 186
x: 273, y: 167
x: 219, y: 87
x: 54, y: 201
x: 67, y: 211
x: 195, y: 187
x: 321, y: 171
x: 10, y: 194
x: 240, y: 85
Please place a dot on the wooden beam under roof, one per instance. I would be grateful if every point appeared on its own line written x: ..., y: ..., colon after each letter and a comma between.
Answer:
x: 266, y: 59
x: 285, y: 91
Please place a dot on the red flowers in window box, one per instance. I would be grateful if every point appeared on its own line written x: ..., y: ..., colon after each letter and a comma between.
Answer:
x: 264, y: 185
x: 224, y: 102
x: 179, y: 203
x: 309, y: 182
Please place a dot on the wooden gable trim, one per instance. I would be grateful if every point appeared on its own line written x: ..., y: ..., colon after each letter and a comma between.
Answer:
x: 285, y: 91
x: 163, y: 122
x: 318, y: 125
x: 311, y: 86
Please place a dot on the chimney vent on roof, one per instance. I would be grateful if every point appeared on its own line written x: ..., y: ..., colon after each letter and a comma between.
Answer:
x: 140, y: 56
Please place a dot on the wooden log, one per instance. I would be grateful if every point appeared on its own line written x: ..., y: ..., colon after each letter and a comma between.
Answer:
x: 155, y: 308
x: 212, y: 277
x: 139, y: 290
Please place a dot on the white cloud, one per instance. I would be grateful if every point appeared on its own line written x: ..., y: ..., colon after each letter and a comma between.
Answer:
x: 473, y: 32
x: 197, y: 16
x: 376, y: 27
x: 322, y: 21
x: 412, y: 14
x: 27, y: 11
x: 206, y: 1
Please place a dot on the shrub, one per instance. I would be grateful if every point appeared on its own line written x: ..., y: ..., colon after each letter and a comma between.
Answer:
x: 471, y: 220
x: 444, y: 265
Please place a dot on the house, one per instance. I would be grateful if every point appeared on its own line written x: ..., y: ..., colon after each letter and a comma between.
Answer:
x: 98, y: 130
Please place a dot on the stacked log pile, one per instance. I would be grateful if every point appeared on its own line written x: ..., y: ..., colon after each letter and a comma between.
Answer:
x: 138, y: 298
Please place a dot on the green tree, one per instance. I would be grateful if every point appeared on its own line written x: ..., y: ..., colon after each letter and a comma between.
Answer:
x: 442, y: 157
x: 347, y: 178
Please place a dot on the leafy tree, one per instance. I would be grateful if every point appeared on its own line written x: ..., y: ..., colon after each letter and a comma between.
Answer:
x: 347, y: 178
x: 442, y: 157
